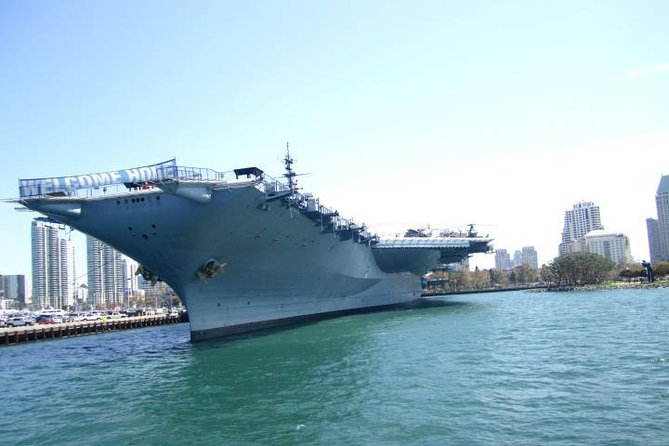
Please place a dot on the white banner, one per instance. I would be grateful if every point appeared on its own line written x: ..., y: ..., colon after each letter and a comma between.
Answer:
x: 42, y: 186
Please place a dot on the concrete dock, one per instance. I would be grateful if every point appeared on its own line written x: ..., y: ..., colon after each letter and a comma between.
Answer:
x: 33, y: 333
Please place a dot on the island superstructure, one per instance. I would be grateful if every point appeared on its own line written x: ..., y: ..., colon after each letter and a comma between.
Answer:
x: 244, y: 251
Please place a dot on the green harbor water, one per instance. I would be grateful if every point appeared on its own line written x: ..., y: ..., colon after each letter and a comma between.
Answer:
x: 514, y: 368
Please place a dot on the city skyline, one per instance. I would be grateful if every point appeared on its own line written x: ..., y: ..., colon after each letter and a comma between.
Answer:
x: 108, y: 280
x: 441, y: 114
x: 527, y: 255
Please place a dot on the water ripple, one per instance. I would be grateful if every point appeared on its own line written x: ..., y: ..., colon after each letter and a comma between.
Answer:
x: 494, y: 369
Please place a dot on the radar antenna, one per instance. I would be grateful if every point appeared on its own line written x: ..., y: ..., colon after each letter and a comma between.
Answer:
x: 290, y: 173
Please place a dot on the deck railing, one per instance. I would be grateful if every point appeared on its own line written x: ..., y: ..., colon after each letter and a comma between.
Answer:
x: 137, y: 179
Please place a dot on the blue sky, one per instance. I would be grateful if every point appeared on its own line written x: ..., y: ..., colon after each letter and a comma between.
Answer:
x: 403, y: 113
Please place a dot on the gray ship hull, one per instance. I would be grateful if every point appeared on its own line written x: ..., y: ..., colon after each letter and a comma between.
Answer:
x: 243, y: 255
x: 278, y: 266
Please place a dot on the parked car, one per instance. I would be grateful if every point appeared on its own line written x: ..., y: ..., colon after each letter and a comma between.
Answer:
x: 75, y: 317
x: 20, y: 321
x: 45, y: 319
x: 50, y: 318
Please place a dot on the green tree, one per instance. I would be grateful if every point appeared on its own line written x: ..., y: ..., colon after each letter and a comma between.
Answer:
x: 580, y: 268
x: 546, y: 273
x: 481, y: 279
x: 502, y: 279
x: 524, y: 274
x: 497, y: 278
x: 465, y: 279
x: 661, y: 269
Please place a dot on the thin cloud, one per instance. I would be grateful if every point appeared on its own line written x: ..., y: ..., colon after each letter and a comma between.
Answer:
x: 648, y: 71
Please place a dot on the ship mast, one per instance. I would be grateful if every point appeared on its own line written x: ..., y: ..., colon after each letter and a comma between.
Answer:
x: 290, y: 173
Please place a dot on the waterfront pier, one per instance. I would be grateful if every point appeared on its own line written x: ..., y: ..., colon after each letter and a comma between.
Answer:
x: 33, y: 333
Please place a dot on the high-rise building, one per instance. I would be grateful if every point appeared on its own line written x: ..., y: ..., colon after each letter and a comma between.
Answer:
x: 612, y: 246
x: 528, y: 256
x: 52, y: 266
x: 502, y: 260
x: 583, y: 232
x: 654, y: 248
x: 106, y: 274
x: 660, y: 238
x: 583, y: 218
x: 13, y: 290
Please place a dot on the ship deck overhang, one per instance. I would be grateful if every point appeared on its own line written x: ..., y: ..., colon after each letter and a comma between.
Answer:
x: 392, y: 253
x: 472, y: 245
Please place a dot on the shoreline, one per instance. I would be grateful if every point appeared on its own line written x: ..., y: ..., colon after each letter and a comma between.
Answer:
x: 553, y: 288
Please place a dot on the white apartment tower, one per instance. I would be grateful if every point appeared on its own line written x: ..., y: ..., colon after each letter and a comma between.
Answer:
x: 502, y: 260
x: 52, y: 266
x: 583, y: 218
x: 106, y: 274
x: 529, y: 257
x: 613, y: 246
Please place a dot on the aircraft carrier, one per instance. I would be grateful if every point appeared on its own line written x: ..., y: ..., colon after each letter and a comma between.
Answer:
x: 244, y: 251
